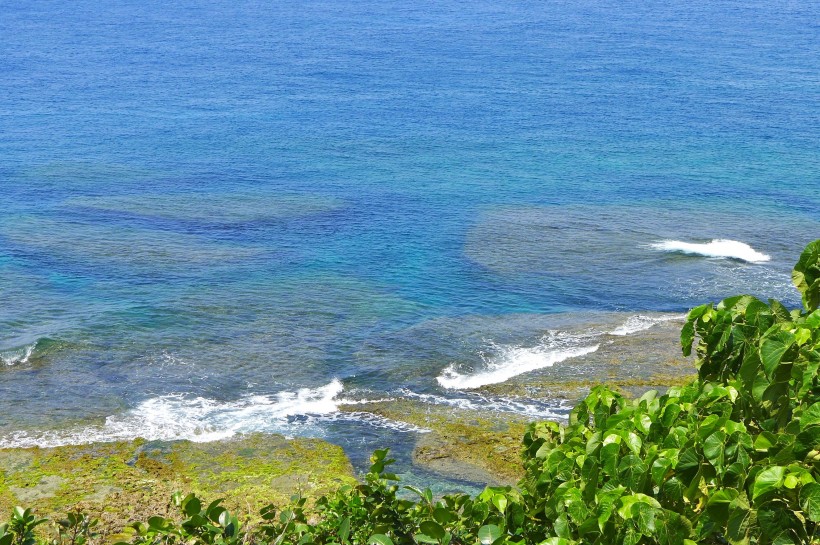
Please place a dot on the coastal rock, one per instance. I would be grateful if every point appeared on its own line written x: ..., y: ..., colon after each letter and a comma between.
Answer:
x: 124, y: 481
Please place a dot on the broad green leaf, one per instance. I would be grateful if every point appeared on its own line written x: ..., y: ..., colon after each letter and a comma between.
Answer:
x: 768, y: 480
x: 810, y: 416
x: 687, y: 336
x: 379, y: 539
x: 779, y: 310
x: 660, y: 468
x: 672, y: 528
x: 787, y: 538
x: 442, y: 515
x: 157, y: 523
x: 606, y: 504
x: 737, y: 527
x: 810, y: 501
x: 576, y: 507
x: 775, y: 517
x: 802, y: 335
x: 488, y: 533
x: 764, y: 441
x: 625, y: 511
x: 191, y: 505
x: 673, y: 489
x: 631, y: 536
x: 718, y: 505
x: 609, y: 457
x: 714, y: 447
x: 634, y: 442
x: 344, y: 530
x: 670, y: 414
x: 632, y: 471
x: 480, y: 511
x: 806, y: 275
x: 688, y: 464
x: 500, y: 502
x: 807, y: 441
x: 196, y: 521
x: 432, y: 529
x: 773, y: 349
x: 561, y: 526
x: 644, y: 516
x: 761, y: 383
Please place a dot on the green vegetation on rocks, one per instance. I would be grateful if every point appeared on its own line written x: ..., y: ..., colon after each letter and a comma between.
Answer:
x: 124, y: 481
x: 463, y: 444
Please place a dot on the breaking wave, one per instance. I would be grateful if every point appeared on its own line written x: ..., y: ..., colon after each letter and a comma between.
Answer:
x: 24, y: 353
x: 201, y: 420
x: 731, y: 249
x: 508, y: 361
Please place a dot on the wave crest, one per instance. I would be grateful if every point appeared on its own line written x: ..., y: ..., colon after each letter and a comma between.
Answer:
x: 509, y: 361
x: 24, y: 353
x: 725, y: 248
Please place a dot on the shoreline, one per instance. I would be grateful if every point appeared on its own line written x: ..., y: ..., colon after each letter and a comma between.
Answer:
x: 128, y: 480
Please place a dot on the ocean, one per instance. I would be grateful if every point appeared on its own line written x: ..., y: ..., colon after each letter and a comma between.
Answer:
x: 225, y: 217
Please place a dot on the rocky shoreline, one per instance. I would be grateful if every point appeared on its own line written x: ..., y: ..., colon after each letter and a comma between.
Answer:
x: 124, y: 481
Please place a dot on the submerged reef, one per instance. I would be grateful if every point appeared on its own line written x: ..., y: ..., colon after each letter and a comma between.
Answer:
x: 482, y: 447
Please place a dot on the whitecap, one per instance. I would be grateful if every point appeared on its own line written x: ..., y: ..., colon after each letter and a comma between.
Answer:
x: 732, y: 249
x: 508, y: 361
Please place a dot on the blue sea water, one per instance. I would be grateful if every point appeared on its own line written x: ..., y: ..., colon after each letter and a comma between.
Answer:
x: 227, y: 216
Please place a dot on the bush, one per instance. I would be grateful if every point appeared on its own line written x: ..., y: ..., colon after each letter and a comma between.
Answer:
x: 732, y: 457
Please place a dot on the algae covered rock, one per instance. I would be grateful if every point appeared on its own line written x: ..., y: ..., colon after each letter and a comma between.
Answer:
x: 477, y: 446
x: 124, y: 481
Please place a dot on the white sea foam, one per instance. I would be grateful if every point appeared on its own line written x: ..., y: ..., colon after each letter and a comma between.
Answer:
x: 477, y: 402
x: 716, y: 248
x: 509, y: 361
x: 14, y: 356
x: 640, y: 322
x: 202, y: 420
x: 374, y: 420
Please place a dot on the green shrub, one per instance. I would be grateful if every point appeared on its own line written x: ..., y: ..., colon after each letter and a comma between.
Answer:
x: 732, y: 457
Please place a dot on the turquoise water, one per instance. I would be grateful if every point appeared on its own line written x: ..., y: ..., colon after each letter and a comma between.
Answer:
x: 230, y: 216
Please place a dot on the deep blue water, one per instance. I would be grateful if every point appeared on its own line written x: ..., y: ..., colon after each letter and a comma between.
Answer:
x: 233, y: 201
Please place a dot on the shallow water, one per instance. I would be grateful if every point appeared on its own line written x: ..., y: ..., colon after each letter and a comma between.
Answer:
x: 227, y: 218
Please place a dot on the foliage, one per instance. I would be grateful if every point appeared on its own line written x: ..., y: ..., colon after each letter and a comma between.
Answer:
x: 20, y: 529
x: 732, y: 457
x: 76, y: 529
